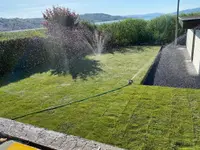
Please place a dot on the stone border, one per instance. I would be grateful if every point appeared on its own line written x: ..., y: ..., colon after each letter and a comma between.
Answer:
x: 49, y: 138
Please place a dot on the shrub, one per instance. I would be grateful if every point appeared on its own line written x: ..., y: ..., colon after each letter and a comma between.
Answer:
x: 59, y: 16
x: 127, y: 32
x: 74, y: 38
x: 162, y: 29
x: 92, y: 27
x: 21, y: 54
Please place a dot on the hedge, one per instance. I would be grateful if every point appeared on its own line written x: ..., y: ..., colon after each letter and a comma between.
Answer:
x: 22, y: 54
x: 30, y: 53
x: 160, y: 30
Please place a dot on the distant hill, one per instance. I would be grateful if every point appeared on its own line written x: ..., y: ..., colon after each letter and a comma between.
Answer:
x: 100, y: 17
x: 188, y: 11
x: 145, y: 16
x: 20, y: 24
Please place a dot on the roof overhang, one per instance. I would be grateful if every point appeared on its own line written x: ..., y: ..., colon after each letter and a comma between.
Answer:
x: 189, y: 22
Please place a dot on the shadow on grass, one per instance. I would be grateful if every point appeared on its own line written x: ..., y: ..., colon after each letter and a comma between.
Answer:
x: 82, y: 68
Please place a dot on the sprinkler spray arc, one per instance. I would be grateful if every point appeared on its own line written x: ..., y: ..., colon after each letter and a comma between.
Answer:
x: 131, y: 81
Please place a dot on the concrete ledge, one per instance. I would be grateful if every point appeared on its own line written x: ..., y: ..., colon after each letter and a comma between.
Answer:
x: 48, y: 138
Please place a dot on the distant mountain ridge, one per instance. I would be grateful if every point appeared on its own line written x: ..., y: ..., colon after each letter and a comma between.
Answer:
x: 145, y: 16
x: 188, y: 11
x: 100, y: 17
x: 20, y: 24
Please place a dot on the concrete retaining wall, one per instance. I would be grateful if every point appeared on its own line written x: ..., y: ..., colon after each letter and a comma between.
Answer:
x: 194, y: 47
x: 189, y: 40
x: 196, y: 59
x: 51, y: 139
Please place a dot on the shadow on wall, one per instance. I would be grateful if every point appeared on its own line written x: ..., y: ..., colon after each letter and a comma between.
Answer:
x: 81, y: 68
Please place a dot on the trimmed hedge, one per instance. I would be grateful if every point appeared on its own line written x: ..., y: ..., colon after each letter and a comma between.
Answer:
x: 160, y: 30
x: 22, y: 54
x: 29, y: 53
x: 127, y: 32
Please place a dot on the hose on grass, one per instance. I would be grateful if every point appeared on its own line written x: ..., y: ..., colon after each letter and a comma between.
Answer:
x: 81, y: 100
x: 69, y: 103
x: 141, y: 69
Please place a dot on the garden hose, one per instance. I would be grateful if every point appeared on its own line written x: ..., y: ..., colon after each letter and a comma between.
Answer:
x: 81, y: 100
x: 69, y: 103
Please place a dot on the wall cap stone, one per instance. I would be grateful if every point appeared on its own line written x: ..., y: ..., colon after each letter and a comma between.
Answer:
x: 49, y: 138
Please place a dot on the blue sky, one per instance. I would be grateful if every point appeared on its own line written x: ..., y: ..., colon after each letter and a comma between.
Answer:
x: 34, y: 8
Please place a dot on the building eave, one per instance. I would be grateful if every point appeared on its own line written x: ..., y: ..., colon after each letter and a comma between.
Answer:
x: 189, y: 22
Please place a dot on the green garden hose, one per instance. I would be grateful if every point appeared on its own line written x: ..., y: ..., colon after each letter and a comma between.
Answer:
x: 81, y: 100
x: 69, y: 103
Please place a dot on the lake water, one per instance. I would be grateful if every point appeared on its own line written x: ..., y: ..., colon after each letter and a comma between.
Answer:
x: 106, y: 22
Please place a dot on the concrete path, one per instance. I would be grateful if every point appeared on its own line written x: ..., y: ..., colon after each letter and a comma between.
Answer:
x: 175, y: 69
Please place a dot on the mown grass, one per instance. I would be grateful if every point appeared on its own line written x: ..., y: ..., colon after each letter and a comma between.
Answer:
x: 135, y: 117
x: 22, y: 34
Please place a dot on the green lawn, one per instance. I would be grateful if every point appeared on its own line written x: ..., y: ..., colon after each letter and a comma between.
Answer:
x: 134, y: 117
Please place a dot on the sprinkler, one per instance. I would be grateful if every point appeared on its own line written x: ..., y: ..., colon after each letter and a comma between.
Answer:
x: 130, y: 82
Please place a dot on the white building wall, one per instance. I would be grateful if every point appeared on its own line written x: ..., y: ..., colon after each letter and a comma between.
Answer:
x: 196, y: 59
x: 189, y: 41
x: 189, y: 45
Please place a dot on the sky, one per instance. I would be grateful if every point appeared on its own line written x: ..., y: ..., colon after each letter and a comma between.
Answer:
x: 34, y: 8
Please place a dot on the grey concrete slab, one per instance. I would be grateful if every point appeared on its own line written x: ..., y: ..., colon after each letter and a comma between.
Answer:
x: 175, y: 69
x: 49, y: 138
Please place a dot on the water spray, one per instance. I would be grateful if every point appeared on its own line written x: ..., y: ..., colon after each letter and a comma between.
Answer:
x: 131, y: 81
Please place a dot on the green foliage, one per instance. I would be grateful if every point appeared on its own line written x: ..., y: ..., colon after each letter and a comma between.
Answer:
x: 162, y: 29
x: 22, y: 34
x: 190, y: 14
x: 66, y: 30
x: 59, y: 16
x: 127, y: 32
x: 21, y: 54
x: 91, y: 26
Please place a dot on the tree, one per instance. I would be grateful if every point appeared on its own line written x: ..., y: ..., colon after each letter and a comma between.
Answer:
x: 74, y: 39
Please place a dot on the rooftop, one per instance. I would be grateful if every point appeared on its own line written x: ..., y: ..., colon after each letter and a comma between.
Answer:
x: 194, y: 18
x: 189, y: 22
